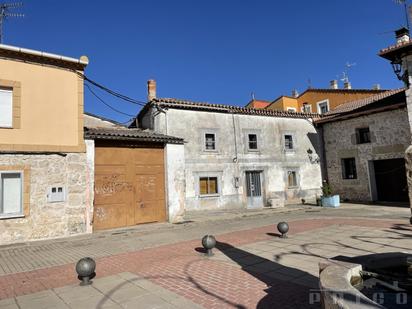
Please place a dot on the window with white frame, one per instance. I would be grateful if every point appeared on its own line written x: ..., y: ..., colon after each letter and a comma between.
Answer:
x: 306, y: 108
x: 323, y: 107
x: 210, y: 141
x: 6, y: 108
x: 292, y: 179
x: 289, y: 144
x: 291, y: 109
x: 11, y: 193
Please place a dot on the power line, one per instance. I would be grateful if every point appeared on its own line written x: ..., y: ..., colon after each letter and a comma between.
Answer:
x: 112, y: 92
x: 108, y: 105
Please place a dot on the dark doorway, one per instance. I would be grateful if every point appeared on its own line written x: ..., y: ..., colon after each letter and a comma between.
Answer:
x: 391, y: 184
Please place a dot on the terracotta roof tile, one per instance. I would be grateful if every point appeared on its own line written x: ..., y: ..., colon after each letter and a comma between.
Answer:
x: 353, y: 105
x: 222, y: 108
x: 129, y: 135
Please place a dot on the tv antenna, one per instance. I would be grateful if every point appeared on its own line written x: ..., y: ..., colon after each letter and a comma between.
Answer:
x: 5, y: 14
x: 405, y: 6
x: 345, y: 73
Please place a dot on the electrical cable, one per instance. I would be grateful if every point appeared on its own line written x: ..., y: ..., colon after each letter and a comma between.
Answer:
x: 112, y: 92
x: 108, y: 105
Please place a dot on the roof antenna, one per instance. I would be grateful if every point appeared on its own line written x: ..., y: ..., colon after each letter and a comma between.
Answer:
x: 309, y: 83
x: 5, y: 14
x: 345, y: 73
x: 252, y: 94
x: 405, y: 6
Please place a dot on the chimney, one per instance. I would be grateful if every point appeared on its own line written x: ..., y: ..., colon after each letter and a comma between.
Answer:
x: 376, y: 87
x: 402, y: 35
x: 347, y: 85
x: 295, y: 93
x: 151, y: 90
x: 333, y: 84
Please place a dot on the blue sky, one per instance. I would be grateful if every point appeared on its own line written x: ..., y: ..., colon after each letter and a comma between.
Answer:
x: 214, y: 51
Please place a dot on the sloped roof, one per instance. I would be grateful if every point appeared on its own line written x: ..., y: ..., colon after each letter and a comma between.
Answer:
x: 126, y: 134
x: 392, y: 51
x: 222, y: 108
x: 355, y: 107
x: 101, y: 128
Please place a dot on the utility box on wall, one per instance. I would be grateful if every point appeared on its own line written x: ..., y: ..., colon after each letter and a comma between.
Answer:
x: 56, y: 194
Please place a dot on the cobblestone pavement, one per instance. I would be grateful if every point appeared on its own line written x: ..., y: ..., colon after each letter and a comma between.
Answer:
x: 251, y: 268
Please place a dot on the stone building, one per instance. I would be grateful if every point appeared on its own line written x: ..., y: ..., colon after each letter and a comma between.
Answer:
x: 238, y: 157
x: 44, y: 186
x: 364, y: 143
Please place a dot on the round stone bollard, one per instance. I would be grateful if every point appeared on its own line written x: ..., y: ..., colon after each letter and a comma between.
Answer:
x: 85, y: 268
x: 283, y: 228
x: 209, y: 242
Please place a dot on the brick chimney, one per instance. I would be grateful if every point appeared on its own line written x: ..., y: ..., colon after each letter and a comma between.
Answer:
x: 151, y: 90
x: 333, y: 84
x: 347, y: 85
x: 402, y: 35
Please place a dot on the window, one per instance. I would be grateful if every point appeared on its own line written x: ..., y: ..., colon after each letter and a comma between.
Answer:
x: 363, y: 136
x: 289, y: 142
x: 291, y: 109
x: 252, y: 142
x: 292, y: 179
x: 306, y: 108
x: 11, y: 193
x: 323, y: 107
x: 6, y: 108
x: 210, y: 141
x: 208, y: 186
x: 349, y: 168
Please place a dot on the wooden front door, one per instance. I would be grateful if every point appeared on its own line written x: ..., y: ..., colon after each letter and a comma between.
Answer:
x: 129, y: 186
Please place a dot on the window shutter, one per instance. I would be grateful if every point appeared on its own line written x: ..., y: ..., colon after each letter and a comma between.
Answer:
x: 6, y: 108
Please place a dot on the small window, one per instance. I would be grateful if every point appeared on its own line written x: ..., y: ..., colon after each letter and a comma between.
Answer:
x: 11, y: 193
x: 363, y: 136
x: 292, y: 179
x: 306, y: 108
x: 323, y: 107
x: 349, y: 168
x: 291, y: 109
x: 289, y: 142
x: 252, y: 142
x: 208, y: 185
x: 210, y: 141
x: 56, y: 194
x: 6, y: 108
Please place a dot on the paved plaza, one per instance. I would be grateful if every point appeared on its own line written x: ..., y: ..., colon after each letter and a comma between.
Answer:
x: 251, y: 268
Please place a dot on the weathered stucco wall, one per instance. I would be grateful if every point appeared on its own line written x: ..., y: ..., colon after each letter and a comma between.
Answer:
x: 175, y: 181
x: 49, y: 220
x: 390, y: 136
x: 271, y: 159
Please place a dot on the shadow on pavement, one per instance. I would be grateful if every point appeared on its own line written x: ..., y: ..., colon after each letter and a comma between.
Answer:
x: 280, y: 293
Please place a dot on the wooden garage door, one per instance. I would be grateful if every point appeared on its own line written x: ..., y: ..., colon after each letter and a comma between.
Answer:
x: 129, y: 187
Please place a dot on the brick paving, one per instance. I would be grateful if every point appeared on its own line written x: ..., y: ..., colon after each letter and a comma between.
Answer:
x: 252, y: 268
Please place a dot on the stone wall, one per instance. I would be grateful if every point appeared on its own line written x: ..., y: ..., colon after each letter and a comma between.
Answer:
x: 44, y: 219
x: 390, y: 136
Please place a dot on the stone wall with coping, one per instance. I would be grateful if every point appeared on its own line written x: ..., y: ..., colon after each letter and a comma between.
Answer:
x: 390, y: 136
x: 45, y: 219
